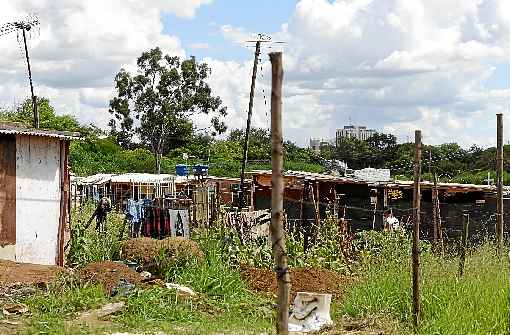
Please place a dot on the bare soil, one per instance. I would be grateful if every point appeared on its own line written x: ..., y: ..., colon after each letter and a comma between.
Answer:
x: 302, y: 280
x: 108, y: 274
x: 145, y: 250
x: 29, y: 274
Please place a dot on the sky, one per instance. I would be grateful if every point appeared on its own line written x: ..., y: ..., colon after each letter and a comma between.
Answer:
x: 442, y: 66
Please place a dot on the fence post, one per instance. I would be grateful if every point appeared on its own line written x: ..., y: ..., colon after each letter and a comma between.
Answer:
x: 464, y: 242
x: 276, y: 228
x: 499, y: 170
x: 416, y: 228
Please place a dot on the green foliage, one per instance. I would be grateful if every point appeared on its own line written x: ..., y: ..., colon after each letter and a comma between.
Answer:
x: 476, y: 303
x: 49, y: 310
x: 324, y: 253
x: 162, y: 98
x: 88, y: 245
x: 47, y: 116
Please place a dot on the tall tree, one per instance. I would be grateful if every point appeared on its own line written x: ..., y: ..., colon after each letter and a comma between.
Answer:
x: 158, y: 102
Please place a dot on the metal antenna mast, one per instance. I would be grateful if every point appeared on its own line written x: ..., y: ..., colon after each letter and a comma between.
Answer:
x: 25, y: 26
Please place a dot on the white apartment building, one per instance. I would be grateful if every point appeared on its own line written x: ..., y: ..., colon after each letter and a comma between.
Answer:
x: 358, y: 132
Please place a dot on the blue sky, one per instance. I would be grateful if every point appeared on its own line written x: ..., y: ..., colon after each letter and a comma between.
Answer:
x: 261, y: 16
x: 395, y: 66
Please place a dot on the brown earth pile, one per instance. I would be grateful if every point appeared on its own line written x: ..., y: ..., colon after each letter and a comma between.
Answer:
x: 302, y: 280
x: 108, y: 274
x: 145, y: 250
x: 24, y: 273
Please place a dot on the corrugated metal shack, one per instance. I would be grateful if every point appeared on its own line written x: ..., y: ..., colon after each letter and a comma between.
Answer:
x: 308, y: 196
x: 121, y: 187
x: 34, y: 194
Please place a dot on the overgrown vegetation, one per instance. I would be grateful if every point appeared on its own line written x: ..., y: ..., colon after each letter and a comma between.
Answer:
x: 87, y: 245
x: 477, y: 303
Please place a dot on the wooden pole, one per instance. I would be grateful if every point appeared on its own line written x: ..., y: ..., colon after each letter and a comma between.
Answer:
x: 499, y: 170
x: 277, y: 233
x: 248, y: 124
x: 435, y: 231
x: 464, y: 242
x: 416, y: 228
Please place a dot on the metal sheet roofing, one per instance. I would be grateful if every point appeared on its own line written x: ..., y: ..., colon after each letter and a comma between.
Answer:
x: 18, y: 129
x: 142, y: 178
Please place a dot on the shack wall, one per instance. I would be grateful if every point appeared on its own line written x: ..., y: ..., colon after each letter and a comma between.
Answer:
x: 7, y: 196
x: 38, y: 195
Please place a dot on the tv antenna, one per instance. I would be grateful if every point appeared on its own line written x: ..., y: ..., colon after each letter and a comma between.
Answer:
x: 261, y: 38
x: 25, y: 26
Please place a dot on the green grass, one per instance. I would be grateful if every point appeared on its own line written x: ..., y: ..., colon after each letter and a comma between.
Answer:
x: 477, y: 303
x: 224, y: 304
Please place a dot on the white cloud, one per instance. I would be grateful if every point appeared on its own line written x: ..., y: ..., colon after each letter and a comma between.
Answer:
x: 80, y: 47
x: 394, y: 65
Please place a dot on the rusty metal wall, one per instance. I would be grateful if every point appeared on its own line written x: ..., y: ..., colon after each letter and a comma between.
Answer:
x: 7, y: 190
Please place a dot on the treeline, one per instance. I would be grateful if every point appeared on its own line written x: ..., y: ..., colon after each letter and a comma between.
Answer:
x: 451, y: 162
x: 103, y: 152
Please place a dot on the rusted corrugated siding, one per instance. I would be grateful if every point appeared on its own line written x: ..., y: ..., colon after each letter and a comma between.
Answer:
x: 7, y: 190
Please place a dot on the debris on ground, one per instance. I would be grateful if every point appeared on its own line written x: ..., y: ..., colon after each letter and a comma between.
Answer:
x: 302, y: 280
x: 109, y: 274
x: 146, y: 275
x: 182, y: 291
x: 94, y: 319
x: 25, y: 273
x: 14, y: 309
x: 102, y: 312
x: 123, y: 288
x: 146, y: 250
x: 310, y: 312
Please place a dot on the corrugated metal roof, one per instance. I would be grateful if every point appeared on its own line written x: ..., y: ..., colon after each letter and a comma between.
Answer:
x: 142, y: 178
x: 17, y: 129
x: 96, y: 179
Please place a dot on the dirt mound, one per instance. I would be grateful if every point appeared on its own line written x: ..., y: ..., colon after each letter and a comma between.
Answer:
x: 302, y: 280
x: 145, y: 250
x: 24, y: 273
x: 108, y: 274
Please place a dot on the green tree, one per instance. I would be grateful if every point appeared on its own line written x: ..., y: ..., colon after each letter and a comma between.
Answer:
x: 47, y: 116
x: 157, y: 103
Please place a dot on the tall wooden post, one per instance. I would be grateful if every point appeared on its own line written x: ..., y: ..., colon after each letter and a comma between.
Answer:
x: 464, y: 242
x: 277, y: 233
x: 416, y: 227
x: 435, y: 232
x: 499, y: 171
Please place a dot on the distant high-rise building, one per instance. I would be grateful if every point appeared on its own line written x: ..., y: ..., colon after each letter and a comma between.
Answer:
x: 357, y: 132
x: 316, y: 144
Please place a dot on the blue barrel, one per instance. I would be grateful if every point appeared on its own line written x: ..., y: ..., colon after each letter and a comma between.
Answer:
x: 201, y: 170
x: 181, y: 170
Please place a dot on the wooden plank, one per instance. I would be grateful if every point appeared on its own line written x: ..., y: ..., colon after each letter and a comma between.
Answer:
x: 7, y: 190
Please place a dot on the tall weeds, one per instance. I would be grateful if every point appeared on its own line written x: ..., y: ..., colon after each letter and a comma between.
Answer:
x: 476, y: 303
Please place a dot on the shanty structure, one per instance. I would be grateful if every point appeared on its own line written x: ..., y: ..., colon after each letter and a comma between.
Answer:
x: 121, y: 187
x: 363, y: 197
x: 34, y: 194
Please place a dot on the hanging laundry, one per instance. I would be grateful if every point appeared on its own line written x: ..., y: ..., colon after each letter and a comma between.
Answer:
x: 174, y: 214
x: 184, y: 214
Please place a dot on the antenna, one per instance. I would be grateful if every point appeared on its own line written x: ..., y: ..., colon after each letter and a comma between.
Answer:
x: 25, y: 26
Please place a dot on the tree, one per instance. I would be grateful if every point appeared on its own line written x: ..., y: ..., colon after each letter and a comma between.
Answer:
x: 47, y: 116
x: 157, y: 103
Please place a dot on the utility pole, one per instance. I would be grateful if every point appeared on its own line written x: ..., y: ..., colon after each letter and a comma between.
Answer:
x: 499, y: 181
x: 276, y: 228
x: 248, y: 122
x: 24, y: 27
x: 416, y: 228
